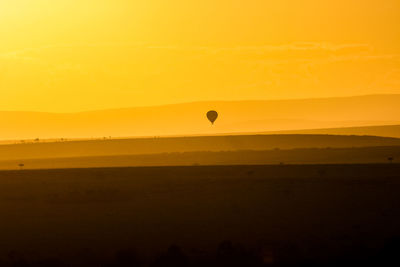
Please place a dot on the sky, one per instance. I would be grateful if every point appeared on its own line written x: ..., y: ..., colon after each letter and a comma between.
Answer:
x: 78, y: 55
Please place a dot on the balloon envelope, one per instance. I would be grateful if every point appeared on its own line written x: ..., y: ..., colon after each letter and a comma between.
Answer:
x: 212, y: 115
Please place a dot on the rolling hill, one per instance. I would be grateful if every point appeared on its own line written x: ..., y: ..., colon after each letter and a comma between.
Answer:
x: 189, y: 118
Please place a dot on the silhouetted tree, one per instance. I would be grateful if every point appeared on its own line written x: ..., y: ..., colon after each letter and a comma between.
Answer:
x: 21, y: 166
x: 390, y: 159
x: 230, y: 255
x: 173, y: 258
x: 16, y: 259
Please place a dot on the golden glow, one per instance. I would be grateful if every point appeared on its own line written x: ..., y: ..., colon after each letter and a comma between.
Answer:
x: 73, y: 55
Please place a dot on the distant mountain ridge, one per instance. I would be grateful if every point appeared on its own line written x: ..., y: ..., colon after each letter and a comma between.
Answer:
x: 189, y: 118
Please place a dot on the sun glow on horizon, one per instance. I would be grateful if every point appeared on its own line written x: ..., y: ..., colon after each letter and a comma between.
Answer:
x: 66, y: 56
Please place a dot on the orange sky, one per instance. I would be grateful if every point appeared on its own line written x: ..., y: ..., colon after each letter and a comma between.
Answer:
x: 73, y: 55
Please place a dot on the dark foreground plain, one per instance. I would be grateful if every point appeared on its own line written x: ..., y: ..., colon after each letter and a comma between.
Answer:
x: 272, y: 215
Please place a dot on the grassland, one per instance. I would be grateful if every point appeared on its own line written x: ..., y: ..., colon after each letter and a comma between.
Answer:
x: 154, y: 145
x: 355, y: 155
x: 270, y: 215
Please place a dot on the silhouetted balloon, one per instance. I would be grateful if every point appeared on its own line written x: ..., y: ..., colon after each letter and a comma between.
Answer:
x: 212, y: 115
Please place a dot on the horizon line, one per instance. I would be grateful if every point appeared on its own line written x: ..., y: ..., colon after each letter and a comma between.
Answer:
x: 189, y: 135
x: 196, y: 102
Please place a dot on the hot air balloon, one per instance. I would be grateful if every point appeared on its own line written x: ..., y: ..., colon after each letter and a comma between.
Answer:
x: 212, y: 115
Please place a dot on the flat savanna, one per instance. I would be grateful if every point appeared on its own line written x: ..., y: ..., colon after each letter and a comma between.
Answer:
x: 284, y: 211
